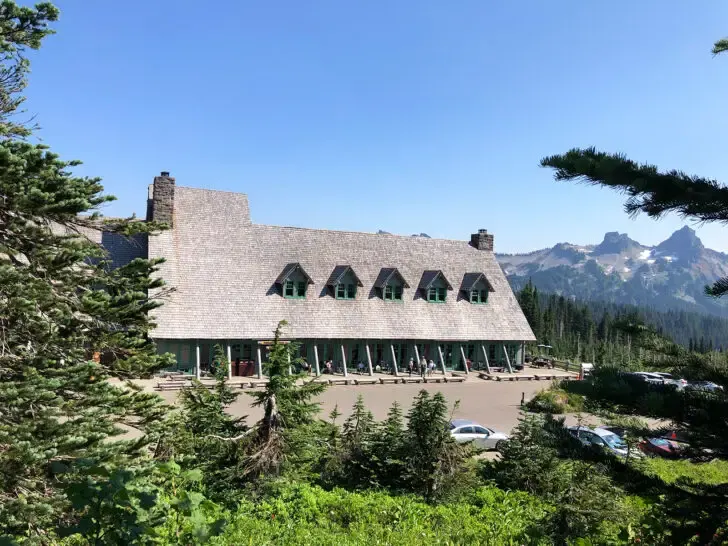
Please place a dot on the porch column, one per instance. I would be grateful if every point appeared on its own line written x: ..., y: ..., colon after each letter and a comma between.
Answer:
x: 369, y: 360
x: 259, y: 364
x: 442, y: 360
x: 290, y: 368
x: 417, y: 356
x: 485, y: 355
x: 508, y: 360
x: 394, y: 359
x: 316, y: 360
x: 465, y: 360
x: 230, y: 362
x: 197, y: 359
x: 343, y: 360
x: 523, y: 353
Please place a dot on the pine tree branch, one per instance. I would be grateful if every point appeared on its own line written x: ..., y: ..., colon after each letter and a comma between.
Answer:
x: 233, y: 438
x: 720, y: 46
x: 718, y: 289
x: 650, y: 191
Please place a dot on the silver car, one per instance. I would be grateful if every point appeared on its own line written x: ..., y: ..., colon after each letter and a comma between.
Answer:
x: 463, y: 430
x: 601, y: 437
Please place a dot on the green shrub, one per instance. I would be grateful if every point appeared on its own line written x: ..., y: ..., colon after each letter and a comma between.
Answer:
x: 304, y: 515
x: 556, y: 401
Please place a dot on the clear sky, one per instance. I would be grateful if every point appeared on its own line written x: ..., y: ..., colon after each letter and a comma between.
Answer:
x: 408, y: 116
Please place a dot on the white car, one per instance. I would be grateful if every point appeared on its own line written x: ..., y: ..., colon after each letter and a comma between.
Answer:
x: 463, y: 430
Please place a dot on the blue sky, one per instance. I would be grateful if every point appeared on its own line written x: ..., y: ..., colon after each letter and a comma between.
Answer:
x: 407, y: 116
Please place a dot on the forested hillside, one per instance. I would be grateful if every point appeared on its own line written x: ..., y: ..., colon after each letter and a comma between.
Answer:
x: 585, y: 329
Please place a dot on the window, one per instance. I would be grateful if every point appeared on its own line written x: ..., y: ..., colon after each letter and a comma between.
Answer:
x: 294, y: 290
x: 478, y: 296
x: 436, y: 294
x: 393, y: 292
x: 481, y: 430
x: 345, y: 291
x: 465, y: 430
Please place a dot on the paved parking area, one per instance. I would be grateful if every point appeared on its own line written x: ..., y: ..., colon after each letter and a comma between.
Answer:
x: 493, y: 404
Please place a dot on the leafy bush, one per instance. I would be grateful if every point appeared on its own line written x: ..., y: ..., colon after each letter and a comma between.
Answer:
x: 303, y: 515
x: 556, y: 401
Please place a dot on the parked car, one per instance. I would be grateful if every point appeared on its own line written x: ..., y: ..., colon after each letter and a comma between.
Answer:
x: 463, y: 430
x: 645, y: 377
x: 669, y: 379
x: 601, y: 437
x: 662, y: 447
x: 704, y: 386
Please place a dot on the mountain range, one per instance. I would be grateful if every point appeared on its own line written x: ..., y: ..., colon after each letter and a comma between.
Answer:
x: 670, y: 275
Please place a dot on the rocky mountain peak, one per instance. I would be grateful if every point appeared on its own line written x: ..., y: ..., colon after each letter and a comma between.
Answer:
x: 614, y: 243
x: 684, y: 244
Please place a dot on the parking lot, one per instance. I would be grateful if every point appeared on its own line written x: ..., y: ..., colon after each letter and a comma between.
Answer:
x: 491, y: 403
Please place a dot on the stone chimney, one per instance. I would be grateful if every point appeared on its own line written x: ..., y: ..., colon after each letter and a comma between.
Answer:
x: 482, y: 240
x: 163, y: 199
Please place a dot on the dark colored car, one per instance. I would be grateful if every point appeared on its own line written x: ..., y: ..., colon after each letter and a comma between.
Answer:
x: 662, y: 447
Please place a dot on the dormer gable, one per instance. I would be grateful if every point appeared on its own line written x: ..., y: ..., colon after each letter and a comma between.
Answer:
x: 390, y: 284
x: 434, y: 286
x: 294, y: 281
x: 476, y: 287
x: 343, y: 282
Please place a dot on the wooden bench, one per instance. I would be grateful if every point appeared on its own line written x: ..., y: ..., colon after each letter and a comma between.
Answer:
x: 434, y: 379
x: 454, y: 379
x: 411, y: 380
x: 392, y: 380
x: 544, y: 377
x: 365, y: 381
x: 338, y: 381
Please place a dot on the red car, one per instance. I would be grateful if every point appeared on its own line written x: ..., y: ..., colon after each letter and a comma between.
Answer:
x: 662, y: 447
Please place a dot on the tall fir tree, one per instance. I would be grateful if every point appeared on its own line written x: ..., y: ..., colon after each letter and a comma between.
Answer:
x: 61, y: 302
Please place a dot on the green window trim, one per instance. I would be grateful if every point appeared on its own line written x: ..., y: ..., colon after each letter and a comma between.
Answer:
x: 478, y: 296
x: 437, y: 294
x: 345, y: 291
x: 294, y: 290
x: 392, y: 292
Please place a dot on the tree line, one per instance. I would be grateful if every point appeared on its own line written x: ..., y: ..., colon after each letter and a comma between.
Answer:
x: 593, y: 331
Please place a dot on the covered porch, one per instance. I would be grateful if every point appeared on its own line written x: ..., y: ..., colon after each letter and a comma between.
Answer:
x: 344, y: 357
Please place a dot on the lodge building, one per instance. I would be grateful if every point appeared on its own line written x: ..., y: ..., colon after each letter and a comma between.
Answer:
x: 349, y: 298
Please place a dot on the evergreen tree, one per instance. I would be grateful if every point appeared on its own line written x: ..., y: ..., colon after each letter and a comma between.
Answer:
x: 288, y: 412
x: 434, y: 462
x: 61, y: 302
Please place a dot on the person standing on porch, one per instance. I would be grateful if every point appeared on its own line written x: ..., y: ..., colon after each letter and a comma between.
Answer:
x: 423, y: 366
x: 431, y: 367
x: 411, y: 366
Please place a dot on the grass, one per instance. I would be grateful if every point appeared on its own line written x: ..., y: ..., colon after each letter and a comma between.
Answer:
x: 711, y: 473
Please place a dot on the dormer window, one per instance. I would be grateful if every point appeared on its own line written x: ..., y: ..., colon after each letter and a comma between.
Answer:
x: 476, y: 287
x: 393, y: 291
x: 390, y: 284
x: 294, y: 282
x: 478, y: 296
x: 434, y: 286
x: 293, y: 289
x: 343, y: 282
x: 437, y: 294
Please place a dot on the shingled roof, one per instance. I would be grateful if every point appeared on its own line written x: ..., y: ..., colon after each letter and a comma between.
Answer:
x: 224, y: 269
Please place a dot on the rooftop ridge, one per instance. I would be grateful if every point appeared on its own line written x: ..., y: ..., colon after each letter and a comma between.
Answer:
x: 393, y: 235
